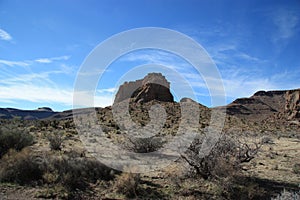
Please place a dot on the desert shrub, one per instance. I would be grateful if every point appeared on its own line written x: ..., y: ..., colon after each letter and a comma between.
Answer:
x: 76, y: 173
x: 287, y: 195
x: 222, y: 165
x: 55, y: 140
x: 296, y: 168
x: 13, y: 137
x: 127, y: 184
x: 145, y: 145
x: 20, y: 167
x: 223, y: 159
x: 27, y: 167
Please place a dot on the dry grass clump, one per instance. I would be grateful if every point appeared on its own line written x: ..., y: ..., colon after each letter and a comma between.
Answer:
x: 127, y: 184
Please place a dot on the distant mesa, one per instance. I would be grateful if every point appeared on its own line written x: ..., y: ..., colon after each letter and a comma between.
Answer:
x: 45, y: 109
x: 154, y: 86
x: 40, y: 113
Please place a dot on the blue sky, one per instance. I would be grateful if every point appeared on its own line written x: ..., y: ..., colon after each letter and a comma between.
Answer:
x: 255, y: 45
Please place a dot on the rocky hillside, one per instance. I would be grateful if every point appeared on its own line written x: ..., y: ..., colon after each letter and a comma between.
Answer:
x: 283, y: 104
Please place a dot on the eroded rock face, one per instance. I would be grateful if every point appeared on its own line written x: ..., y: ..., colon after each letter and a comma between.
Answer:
x: 292, y: 104
x: 154, y: 86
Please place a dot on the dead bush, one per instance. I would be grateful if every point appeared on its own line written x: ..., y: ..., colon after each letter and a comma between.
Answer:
x: 223, y: 159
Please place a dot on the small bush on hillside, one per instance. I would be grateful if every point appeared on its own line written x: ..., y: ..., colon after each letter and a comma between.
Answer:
x: 145, y: 145
x: 13, y: 137
x: 56, y: 139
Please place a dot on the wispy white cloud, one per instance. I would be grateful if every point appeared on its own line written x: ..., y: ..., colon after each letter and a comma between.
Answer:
x: 41, y: 88
x: 4, y: 35
x: 35, y: 93
x: 44, y: 60
x: 150, y: 56
x: 242, y: 82
x: 38, y: 87
x: 158, y: 57
x: 15, y: 92
x: 107, y: 90
x: 239, y: 70
x: 14, y: 63
x: 41, y: 79
x: 26, y: 63
x: 50, y: 60
x: 286, y: 22
x: 83, y: 99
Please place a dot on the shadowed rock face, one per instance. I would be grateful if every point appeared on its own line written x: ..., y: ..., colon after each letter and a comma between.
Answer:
x: 152, y: 91
x: 154, y: 86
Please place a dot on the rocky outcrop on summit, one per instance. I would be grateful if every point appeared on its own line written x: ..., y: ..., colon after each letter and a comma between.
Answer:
x: 284, y: 104
x: 154, y: 86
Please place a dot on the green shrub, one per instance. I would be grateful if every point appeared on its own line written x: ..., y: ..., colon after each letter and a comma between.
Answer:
x: 12, y: 137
